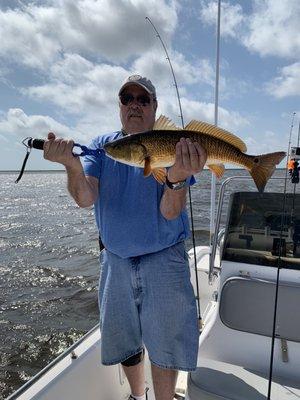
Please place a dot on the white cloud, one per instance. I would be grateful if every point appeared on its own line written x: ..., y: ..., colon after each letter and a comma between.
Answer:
x: 154, y: 64
x: 80, y: 87
x: 265, y: 142
x: 19, y: 125
x: 274, y: 28
x: 287, y: 84
x: 25, y: 39
x: 232, y: 18
x: 271, y: 29
x: 270, y: 134
x: 89, y: 91
x: 4, y: 78
x: 83, y: 88
x: 16, y: 123
x: 229, y: 120
x: 38, y: 35
x: 106, y: 26
x: 5, y: 139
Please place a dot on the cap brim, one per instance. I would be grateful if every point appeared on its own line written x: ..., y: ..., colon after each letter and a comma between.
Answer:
x: 134, y: 83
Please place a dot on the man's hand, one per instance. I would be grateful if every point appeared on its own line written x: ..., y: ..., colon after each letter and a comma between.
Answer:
x: 60, y: 151
x: 190, y: 159
x: 84, y: 190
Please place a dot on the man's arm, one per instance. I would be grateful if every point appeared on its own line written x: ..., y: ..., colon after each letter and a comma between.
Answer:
x: 83, y: 189
x: 190, y: 159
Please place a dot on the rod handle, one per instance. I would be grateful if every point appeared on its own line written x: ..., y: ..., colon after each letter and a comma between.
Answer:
x: 36, y: 143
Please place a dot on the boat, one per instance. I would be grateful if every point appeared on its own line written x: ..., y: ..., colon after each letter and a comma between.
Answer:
x: 241, y: 356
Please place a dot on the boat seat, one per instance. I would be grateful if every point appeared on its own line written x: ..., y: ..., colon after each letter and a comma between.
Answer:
x: 247, y: 305
x: 216, y: 380
x: 242, y: 319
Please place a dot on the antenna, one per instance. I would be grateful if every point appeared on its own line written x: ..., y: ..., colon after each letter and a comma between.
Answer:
x: 213, y: 178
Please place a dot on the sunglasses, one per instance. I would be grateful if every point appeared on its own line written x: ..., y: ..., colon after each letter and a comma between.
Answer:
x: 128, y: 98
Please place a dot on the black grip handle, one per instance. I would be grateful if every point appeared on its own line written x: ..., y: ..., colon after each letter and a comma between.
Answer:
x: 36, y: 143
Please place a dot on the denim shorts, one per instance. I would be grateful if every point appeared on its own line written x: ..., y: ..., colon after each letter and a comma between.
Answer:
x: 148, y: 301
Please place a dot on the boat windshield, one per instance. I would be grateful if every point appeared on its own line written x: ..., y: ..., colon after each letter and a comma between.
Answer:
x: 260, y: 229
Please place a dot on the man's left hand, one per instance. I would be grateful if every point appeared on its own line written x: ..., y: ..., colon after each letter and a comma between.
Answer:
x: 190, y: 159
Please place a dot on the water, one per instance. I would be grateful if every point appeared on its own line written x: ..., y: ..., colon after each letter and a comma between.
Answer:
x: 49, y: 267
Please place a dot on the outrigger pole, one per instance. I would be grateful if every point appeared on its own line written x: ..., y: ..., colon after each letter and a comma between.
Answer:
x: 213, y: 178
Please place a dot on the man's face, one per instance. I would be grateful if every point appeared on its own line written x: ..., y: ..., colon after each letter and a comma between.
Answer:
x: 137, y: 116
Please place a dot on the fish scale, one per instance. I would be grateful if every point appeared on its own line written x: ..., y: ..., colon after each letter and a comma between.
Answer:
x: 162, y: 145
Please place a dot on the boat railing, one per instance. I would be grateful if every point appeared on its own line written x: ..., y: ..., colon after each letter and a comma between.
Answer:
x: 216, y: 237
x: 70, y: 351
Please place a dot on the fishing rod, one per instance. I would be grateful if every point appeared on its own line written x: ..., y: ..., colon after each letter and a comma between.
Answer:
x: 189, y: 188
x: 282, y: 221
x: 31, y: 143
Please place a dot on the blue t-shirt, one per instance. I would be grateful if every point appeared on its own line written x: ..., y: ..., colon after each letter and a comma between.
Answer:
x: 127, y: 210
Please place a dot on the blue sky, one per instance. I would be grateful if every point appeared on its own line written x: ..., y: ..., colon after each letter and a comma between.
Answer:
x: 63, y: 61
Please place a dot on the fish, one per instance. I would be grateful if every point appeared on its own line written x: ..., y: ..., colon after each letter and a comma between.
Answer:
x: 155, y: 150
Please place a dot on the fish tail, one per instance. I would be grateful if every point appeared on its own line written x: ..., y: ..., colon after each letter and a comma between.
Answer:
x: 263, y: 167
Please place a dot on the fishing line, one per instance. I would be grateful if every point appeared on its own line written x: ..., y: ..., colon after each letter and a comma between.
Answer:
x: 189, y: 189
x: 283, y: 216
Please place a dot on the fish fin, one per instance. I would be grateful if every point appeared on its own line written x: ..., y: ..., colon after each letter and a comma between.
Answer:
x: 164, y: 123
x: 213, y: 130
x: 160, y: 175
x: 263, y: 168
x: 147, y: 167
x: 217, y: 169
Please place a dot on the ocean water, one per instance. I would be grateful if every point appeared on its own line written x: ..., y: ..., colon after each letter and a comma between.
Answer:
x: 49, y: 266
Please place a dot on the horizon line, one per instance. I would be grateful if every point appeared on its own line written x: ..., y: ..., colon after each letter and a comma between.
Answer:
x: 63, y: 170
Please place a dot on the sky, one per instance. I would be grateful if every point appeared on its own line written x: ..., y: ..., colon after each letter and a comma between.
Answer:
x: 62, y: 63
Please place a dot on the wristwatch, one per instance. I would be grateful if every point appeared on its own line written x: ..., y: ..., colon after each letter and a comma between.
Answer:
x: 175, y: 185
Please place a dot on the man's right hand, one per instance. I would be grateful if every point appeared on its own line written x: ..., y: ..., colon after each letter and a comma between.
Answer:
x: 60, y: 151
x: 83, y: 189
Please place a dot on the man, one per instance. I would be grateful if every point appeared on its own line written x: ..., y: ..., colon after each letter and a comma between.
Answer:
x: 145, y: 294
x: 291, y: 165
x: 295, y: 172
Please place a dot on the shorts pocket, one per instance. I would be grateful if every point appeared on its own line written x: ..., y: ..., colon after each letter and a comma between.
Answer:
x: 178, y: 252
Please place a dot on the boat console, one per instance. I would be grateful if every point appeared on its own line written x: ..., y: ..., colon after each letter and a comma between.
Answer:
x: 262, y: 240
x: 264, y: 229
